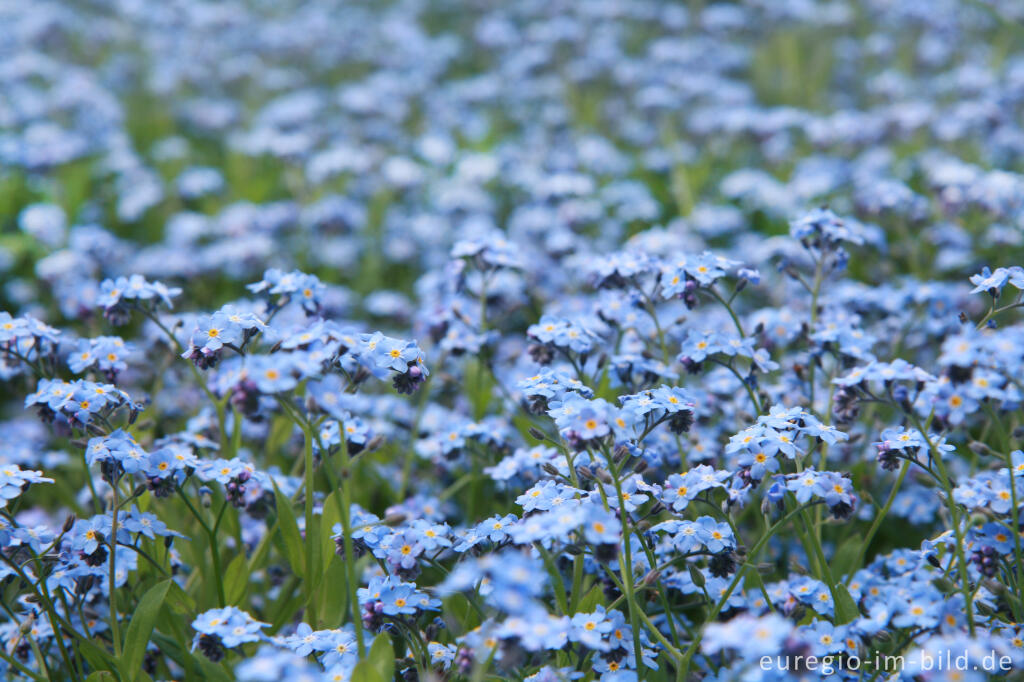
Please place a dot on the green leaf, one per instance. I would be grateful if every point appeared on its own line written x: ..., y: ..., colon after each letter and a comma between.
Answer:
x: 288, y: 527
x: 478, y: 385
x: 286, y: 608
x: 459, y: 607
x: 178, y: 600
x: 845, y: 556
x: 101, y: 676
x: 591, y: 600
x: 98, y: 658
x: 334, y: 595
x: 330, y: 516
x: 141, y: 627
x: 382, y: 656
x: 696, y: 575
x: 365, y: 672
x: 236, y: 579
x: 556, y: 579
x: 846, y: 608
x: 208, y: 670
x: 314, y: 537
x: 196, y: 668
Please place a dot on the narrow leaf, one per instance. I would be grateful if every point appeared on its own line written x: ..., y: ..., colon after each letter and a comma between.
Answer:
x: 288, y: 528
x: 141, y: 627
x: 331, y: 516
x: 365, y: 672
x: 382, y: 656
x: 846, y: 608
x: 179, y: 600
x: 101, y: 676
x: 236, y: 579
x: 591, y: 600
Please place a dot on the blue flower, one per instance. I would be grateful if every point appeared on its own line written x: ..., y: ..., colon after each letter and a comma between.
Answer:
x: 1017, y: 458
x: 993, y: 282
x: 403, y: 550
x: 567, y: 335
x: 432, y: 535
x: 441, y: 655
x: 748, y: 636
x: 88, y: 534
x: 919, y: 609
x: 537, y: 630
x: 601, y: 527
x: 590, y: 629
x: 824, y: 638
x: 714, y: 535
x: 271, y: 373
x: 230, y: 624
x: 147, y: 524
x: 804, y: 486
x: 299, y: 286
x: 826, y: 226
x: 114, y: 292
x: 632, y: 495
x: 342, y: 650
x: 14, y: 481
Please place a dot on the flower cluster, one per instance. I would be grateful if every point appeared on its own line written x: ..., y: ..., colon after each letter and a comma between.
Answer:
x: 228, y: 627
x: 119, y: 296
x: 523, y: 340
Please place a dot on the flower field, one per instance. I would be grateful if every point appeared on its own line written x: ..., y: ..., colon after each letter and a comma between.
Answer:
x: 599, y: 340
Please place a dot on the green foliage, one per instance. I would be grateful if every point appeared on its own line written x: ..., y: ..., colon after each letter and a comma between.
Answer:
x: 141, y: 627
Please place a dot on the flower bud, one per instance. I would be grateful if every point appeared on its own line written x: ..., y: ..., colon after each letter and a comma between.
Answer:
x: 696, y: 576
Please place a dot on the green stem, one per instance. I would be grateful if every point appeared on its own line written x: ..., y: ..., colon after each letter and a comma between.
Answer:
x: 672, y: 651
x: 1014, y: 511
x: 657, y: 328
x: 92, y: 485
x: 954, y: 514
x: 410, y: 452
x: 653, y: 561
x: 877, y: 523
x: 27, y: 672
x: 993, y: 310
x: 815, y: 292
x: 39, y: 657
x: 760, y: 583
x: 749, y: 563
x: 728, y: 307
x: 308, y: 499
x: 48, y: 607
x: 577, y: 561
x: 626, y: 564
x: 556, y: 578
x: 344, y: 504
x: 115, y: 627
x: 53, y: 623
x: 750, y: 392
x: 823, y: 458
x: 826, y: 571
x: 217, y: 403
x: 211, y: 537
